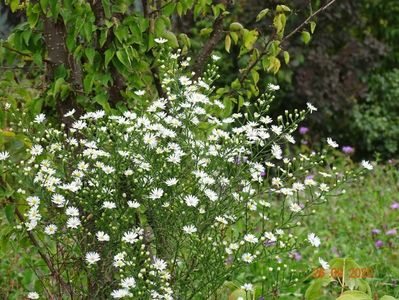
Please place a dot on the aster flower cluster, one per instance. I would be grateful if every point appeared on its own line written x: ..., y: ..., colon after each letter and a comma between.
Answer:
x: 169, y: 200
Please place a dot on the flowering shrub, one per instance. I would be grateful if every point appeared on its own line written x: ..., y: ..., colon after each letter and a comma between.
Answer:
x: 166, y: 201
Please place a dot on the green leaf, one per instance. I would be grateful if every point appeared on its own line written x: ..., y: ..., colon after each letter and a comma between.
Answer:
x: 171, y: 37
x: 262, y: 14
x: 227, y: 43
x: 14, y: 4
x: 274, y: 65
x: 306, y: 37
x: 107, y: 8
x: 57, y: 86
x: 255, y: 76
x: 90, y: 53
x: 315, y: 290
x: 286, y: 57
x: 123, y: 58
x: 10, y: 215
x: 312, y: 26
x: 354, y: 295
x: 279, y: 22
x: 103, y: 101
x: 282, y: 8
x: 236, y: 26
x: 109, y: 54
x: 386, y: 297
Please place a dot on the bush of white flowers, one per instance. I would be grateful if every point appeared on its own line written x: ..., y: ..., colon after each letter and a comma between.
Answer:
x: 168, y: 200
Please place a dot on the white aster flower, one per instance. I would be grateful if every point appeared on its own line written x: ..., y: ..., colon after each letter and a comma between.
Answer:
x: 73, y: 222
x: 247, y: 257
x: 311, y: 107
x: 171, y: 181
x: 102, y: 236
x: 156, y: 194
x: 58, y: 200
x: 294, y: 207
x: 33, y: 295
x: 120, y: 293
x: 324, y: 264
x: 92, y: 257
x: 160, y: 40
x: 109, y: 205
x: 250, y: 238
x: 4, y: 155
x: 189, y: 229
x: 50, y: 229
x: 313, y: 240
x: 332, y: 143
x: 367, y: 165
x: 40, y: 118
x: 72, y: 211
x: 133, y: 204
x: 159, y: 264
x: 277, y: 152
x: 191, y: 200
x: 36, y: 150
x: 247, y: 287
x: 140, y: 92
x: 128, y: 282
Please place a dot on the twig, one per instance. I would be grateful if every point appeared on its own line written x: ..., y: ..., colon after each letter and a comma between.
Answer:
x: 216, y: 36
x: 47, y: 260
x: 284, y: 39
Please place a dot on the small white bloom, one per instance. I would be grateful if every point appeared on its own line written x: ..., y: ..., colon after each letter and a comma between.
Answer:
x: 159, y: 264
x: 250, y: 238
x: 140, y: 92
x: 92, y: 257
x: 273, y: 87
x: 69, y: 113
x: 40, y: 118
x: 50, y: 229
x: 72, y: 211
x: 73, y: 222
x: 276, y: 151
x: 247, y: 257
x: 4, y: 155
x: 367, y: 165
x: 248, y: 287
x: 191, y: 200
x: 160, y: 40
x: 324, y: 264
x: 189, y: 229
x: 109, y: 205
x: 36, y: 150
x: 156, y: 194
x: 313, y: 240
x: 311, y: 107
x: 294, y: 207
x: 128, y: 282
x: 102, y: 236
x: 215, y: 57
x: 133, y: 204
x: 171, y: 181
x: 120, y: 293
x: 332, y: 143
x: 33, y: 295
x: 58, y: 200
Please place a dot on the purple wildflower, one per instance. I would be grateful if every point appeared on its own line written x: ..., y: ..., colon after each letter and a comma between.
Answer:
x: 391, y: 232
x: 395, y: 205
x: 348, y: 149
x: 375, y: 231
x: 303, y: 130
x: 297, y: 256
x: 269, y: 243
x: 379, y: 243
